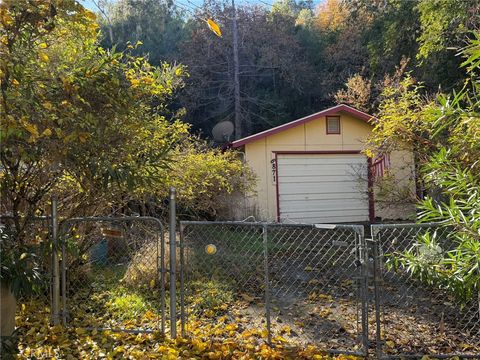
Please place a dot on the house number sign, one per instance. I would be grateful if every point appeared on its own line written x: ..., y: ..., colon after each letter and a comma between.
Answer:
x: 273, y: 163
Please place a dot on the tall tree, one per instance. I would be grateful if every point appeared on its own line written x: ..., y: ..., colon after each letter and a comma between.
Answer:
x: 158, y: 24
x: 78, y: 119
x: 271, y: 63
x: 293, y: 58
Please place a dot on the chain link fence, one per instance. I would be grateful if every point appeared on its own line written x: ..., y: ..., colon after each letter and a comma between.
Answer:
x: 113, y: 273
x: 300, y: 283
x: 289, y: 283
x: 415, y: 318
x: 222, y: 271
x: 317, y: 284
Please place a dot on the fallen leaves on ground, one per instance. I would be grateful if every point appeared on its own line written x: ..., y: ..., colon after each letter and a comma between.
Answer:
x: 219, y: 340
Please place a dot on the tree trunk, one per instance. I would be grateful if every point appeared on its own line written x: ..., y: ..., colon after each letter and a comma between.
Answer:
x: 7, y: 316
x: 236, y: 76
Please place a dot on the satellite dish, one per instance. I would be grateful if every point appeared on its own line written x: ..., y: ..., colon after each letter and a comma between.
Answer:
x: 222, y: 131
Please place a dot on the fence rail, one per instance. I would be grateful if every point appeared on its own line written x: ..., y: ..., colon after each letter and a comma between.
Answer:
x: 320, y: 284
x: 325, y: 284
x: 416, y: 317
x: 301, y: 282
x: 105, y: 259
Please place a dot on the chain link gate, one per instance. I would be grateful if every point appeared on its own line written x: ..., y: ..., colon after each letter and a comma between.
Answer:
x: 415, y: 319
x: 113, y: 273
x: 306, y: 283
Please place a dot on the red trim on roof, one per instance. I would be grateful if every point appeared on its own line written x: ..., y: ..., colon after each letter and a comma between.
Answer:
x: 330, y: 111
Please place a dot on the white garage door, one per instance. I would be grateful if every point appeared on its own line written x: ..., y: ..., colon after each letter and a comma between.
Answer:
x: 318, y: 188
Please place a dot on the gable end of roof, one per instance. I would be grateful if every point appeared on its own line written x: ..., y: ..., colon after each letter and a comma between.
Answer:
x: 330, y: 111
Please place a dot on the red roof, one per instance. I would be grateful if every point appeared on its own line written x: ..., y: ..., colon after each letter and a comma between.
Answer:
x: 330, y: 111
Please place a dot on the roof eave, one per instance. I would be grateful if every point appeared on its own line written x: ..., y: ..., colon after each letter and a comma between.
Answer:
x: 330, y: 111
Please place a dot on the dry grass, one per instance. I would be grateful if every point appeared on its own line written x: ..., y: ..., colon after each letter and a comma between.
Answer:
x: 144, y: 268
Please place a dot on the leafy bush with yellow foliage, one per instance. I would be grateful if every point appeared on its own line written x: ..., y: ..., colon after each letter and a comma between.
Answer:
x: 92, y: 126
x: 204, y: 176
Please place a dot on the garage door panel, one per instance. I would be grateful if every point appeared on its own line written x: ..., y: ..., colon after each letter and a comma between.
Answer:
x: 289, y: 171
x: 321, y: 205
x: 322, y: 188
x: 329, y: 196
x: 326, y: 217
x: 309, y: 214
x: 320, y: 179
x: 318, y: 160
x: 323, y: 166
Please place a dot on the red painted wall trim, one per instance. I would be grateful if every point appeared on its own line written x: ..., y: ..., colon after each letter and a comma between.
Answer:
x: 276, y: 187
x: 330, y: 111
x: 371, y: 195
x: 339, y: 125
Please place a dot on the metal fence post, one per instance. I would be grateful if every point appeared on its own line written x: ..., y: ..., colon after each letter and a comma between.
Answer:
x: 64, y: 282
x: 364, y: 286
x: 267, y: 284
x: 55, y: 265
x: 182, y: 281
x: 162, y: 278
x: 173, y: 300
x: 376, y: 284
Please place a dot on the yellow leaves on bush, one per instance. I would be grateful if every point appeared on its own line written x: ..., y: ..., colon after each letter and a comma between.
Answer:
x: 43, y: 57
x: 143, y: 80
x: 48, y: 105
x: 31, y: 128
x: 83, y: 137
x: 5, y: 18
x: 134, y: 82
x: 204, y: 176
x: 90, y: 15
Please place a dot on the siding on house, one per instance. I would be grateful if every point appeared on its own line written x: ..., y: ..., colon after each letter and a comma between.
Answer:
x: 312, y: 136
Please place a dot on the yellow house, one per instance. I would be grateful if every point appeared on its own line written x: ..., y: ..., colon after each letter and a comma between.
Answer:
x: 312, y: 170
